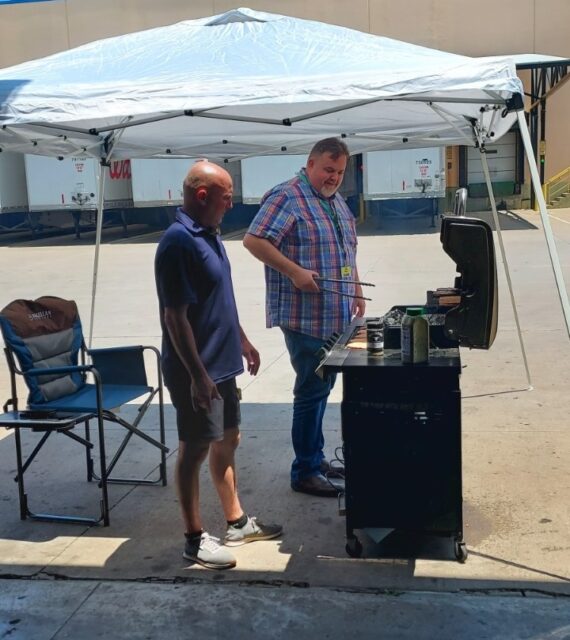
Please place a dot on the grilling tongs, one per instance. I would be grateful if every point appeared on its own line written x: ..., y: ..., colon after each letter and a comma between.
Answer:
x: 346, y: 281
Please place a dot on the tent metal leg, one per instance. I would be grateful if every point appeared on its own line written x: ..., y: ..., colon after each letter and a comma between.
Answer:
x: 100, y: 204
x: 552, y: 251
x: 504, y: 257
x: 112, y: 141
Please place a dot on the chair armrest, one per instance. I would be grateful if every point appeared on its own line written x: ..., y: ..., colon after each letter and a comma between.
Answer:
x: 111, y: 350
x: 84, y: 368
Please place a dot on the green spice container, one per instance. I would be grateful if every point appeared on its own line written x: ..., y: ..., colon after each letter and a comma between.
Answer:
x: 415, y: 336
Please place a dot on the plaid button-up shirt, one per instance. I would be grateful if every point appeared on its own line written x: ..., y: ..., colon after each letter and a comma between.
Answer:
x: 297, y: 220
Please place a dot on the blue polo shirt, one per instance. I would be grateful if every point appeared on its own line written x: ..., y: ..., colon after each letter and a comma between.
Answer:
x: 192, y: 268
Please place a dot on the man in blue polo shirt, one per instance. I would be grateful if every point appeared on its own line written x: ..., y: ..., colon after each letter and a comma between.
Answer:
x: 202, y: 349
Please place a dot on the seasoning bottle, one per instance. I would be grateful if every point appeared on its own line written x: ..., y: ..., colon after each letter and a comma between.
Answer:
x: 374, y: 335
x: 414, y: 336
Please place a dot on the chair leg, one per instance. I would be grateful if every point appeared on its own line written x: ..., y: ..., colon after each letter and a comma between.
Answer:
x: 117, y: 455
x: 74, y: 436
x: 21, y: 467
x: 32, y: 455
x: 135, y: 430
x: 160, y: 390
x: 132, y: 429
x: 103, y: 480
x: 162, y: 436
x: 88, y: 457
x: 20, y: 477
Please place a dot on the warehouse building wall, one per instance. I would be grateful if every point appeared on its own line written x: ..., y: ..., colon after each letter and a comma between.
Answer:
x: 487, y: 27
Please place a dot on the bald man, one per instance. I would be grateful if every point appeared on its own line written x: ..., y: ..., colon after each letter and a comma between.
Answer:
x: 202, y: 350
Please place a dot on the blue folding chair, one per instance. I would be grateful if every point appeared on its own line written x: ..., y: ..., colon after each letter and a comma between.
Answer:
x: 44, y: 344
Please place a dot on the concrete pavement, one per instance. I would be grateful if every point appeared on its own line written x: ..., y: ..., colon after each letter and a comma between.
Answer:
x: 130, y: 580
x: 104, y: 609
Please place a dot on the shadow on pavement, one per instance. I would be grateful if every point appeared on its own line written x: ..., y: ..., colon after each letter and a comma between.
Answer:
x: 145, y: 539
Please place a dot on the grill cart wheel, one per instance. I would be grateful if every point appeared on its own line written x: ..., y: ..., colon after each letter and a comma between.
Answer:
x: 460, y: 549
x: 353, y: 547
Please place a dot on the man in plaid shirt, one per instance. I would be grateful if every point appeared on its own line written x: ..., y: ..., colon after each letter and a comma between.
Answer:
x: 305, y: 231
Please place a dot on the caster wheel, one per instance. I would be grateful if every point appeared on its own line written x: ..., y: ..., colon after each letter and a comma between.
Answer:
x: 354, y: 547
x: 460, y: 549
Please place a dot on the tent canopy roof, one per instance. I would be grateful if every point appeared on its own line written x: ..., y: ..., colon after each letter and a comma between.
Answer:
x: 248, y: 83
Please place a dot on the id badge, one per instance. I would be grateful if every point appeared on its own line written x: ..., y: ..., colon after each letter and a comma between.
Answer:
x: 346, y: 271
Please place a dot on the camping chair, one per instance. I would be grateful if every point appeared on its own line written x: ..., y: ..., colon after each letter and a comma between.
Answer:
x: 44, y: 344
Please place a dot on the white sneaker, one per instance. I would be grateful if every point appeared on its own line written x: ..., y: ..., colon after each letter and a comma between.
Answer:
x: 207, y: 551
x: 250, y: 532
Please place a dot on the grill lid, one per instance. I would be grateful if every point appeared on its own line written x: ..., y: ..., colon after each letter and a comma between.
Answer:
x: 469, y: 243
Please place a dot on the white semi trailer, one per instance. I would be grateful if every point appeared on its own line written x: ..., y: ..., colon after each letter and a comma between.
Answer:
x: 13, y: 191
x: 58, y: 188
x: 404, y: 173
x: 158, y: 183
x: 404, y: 182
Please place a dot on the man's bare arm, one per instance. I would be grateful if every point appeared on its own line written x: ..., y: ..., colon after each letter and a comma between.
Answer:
x: 358, y: 305
x: 182, y: 336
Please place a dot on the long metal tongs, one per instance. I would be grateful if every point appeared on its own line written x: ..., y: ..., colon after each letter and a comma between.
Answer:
x: 346, y: 281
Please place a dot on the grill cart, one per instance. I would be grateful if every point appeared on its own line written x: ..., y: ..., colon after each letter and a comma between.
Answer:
x: 401, y: 423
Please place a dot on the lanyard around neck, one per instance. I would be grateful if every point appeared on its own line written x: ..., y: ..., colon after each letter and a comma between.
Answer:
x: 328, y: 208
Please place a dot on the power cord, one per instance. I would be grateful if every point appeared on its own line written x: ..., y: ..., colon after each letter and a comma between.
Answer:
x: 336, y: 469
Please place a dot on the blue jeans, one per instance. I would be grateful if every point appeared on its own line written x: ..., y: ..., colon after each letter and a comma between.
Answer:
x: 310, y: 395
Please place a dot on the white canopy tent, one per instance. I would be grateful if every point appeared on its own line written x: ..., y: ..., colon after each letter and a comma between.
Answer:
x: 246, y: 83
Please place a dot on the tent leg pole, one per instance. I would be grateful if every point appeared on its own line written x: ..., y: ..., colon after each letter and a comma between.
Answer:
x: 553, y: 253
x: 505, y: 264
x: 100, y: 204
